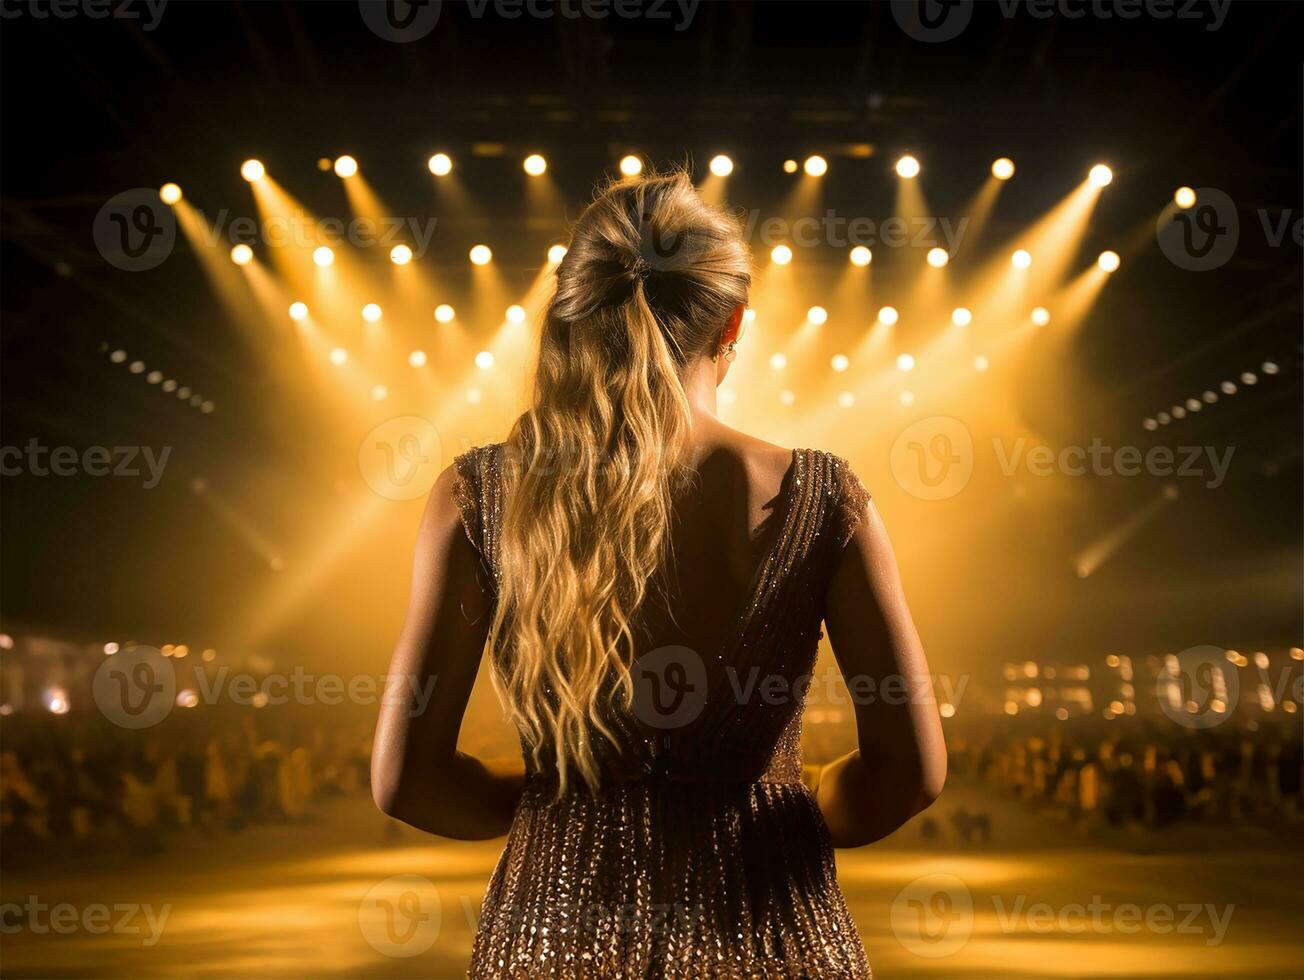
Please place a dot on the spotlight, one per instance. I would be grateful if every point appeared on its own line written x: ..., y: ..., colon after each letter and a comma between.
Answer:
x: 170, y: 193
x: 339, y: 356
x: 961, y: 317
x: 379, y: 392
x: 778, y: 361
x: 298, y: 311
x: 749, y: 317
x: 535, y: 165
x: 1228, y: 387
x: 905, y: 362
x: 444, y: 313
x: 1100, y: 175
x: 980, y: 363
x: 937, y: 257
x: 841, y: 362
x: 906, y: 398
x: 484, y: 360
x: 630, y: 165
x: 242, y: 254
x: 556, y: 253
x: 816, y: 166
x: 1269, y: 367
x: 323, y: 256
x: 136, y: 367
x: 441, y: 164
x: 1108, y: 261
x: 907, y: 167
x: 1003, y: 169
x: 417, y: 358
x: 817, y: 315
x: 118, y: 356
x: 861, y: 256
x: 1021, y: 258
x: 371, y: 312
x: 516, y: 314
x: 346, y: 166
x: 1040, y: 316
x: 481, y: 255
x: 252, y: 170
x: 888, y: 316
x: 400, y: 255
x: 790, y: 166
x: 781, y: 255
x: 846, y: 399
x: 1249, y: 378
x: 721, y: 165
x: 1184, y: 197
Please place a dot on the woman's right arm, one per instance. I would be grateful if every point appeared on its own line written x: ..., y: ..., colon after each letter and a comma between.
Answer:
x: 900, y: 765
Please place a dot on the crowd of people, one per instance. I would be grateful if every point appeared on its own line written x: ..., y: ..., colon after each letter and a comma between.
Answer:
x: 72, y: 781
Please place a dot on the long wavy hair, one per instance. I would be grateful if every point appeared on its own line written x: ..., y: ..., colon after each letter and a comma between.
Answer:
x: 649, y: 280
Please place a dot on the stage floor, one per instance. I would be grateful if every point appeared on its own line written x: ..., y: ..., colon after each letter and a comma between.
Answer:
x: 314, y: 900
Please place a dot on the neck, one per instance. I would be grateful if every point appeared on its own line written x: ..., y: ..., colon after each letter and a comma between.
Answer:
x: 700, y: 381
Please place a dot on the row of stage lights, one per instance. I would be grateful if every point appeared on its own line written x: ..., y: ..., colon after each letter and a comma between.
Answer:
x: 1194, y: 405
x: 168, y: 385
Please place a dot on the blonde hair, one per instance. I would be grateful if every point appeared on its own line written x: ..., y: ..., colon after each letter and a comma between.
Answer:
x: 649, y: 281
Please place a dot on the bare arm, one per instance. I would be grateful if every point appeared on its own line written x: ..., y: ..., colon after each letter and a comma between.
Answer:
x: 900, y: 765
x: 417, y: 774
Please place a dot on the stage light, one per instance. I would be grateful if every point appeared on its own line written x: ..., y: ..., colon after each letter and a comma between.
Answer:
x: 721, y: 165
x: 1178, y: 412
x: 242, y: 254
x: 1040, y: 316
x: 861, y: 256
x: 846, y: 399
x: 1108, y: 261
x: 816, y: 166
x: 906, y: 398
x: 516, y: 314
x: 1021, y: 258
x: 790, y: 166
x: 118, y: 356
x: 323, y: 256
x: 339, y: 356
x: 1228, y: 387
x: 252, y: 170
x: 1194, y: 405
x: 781, y: 255
x: 817, y: 315
x: 535, y: 165
x: 1100, y: 175
x: 787, y: 397
x: 556, y: 253
x: 888, y: 316
x: 905, y: 362
x: 778, y: 361
x: 980, y: 363
x: 840, y: 362
x: 379, y: 392
x: 481, y: 255
x: 1184, y: 197
x: 907, y: 167
x: 136, y: 367
x: 1269, y: 367
x: 417, y: 358
x: 1150, y: 425
x: 484, y: 360
x: 169, y: 386
x: 441, y: 164
x: 1163, y: 418
x: 1003, y: 169
x: 1209, y: 397
x: 298, y: 311
x: 961, y: 317
x: 630, y: 165
x: 400, y: 255
x: 154, y: 377
x: 345, y: 166
x: 1249, y: 378
x: 444, y: 313
x: 170, y: 193
x: 749, y: 317
x: 371, y: 312
x: 937, y: 257
x: 111, y: 648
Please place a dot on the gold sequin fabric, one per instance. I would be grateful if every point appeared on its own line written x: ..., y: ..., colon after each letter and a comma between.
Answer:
x: 702, y: 854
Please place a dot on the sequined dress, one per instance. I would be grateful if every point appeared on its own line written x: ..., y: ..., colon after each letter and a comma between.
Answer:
x: 703, y: 854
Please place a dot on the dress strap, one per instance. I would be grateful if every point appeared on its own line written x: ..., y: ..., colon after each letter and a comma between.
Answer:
x: 850, y: 501
x: 477, y: 490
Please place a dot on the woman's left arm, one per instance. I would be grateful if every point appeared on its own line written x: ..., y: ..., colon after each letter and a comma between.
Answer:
x: 417, y: 774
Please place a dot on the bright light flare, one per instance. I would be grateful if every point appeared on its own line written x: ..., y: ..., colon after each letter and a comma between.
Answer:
x: 1040, y: 316
x: 481, y: 255
x: 339, y: 356
x: 961, y: 316
x: 721, y: 165
x: 556, y: 253
x: 242, y: 254
x: 781, y: 255
x: 817, y: 315
x: 516, y: 314
x: 1100, y: 175
x: 484, y: 360
x: 444, y: 313
x: 778, y: 361
x: 346, y: 166
x: 888, y: 316
x: 417, y: 358
x: 1021, y: 258
x: 938, y: 257
x: 631, y: 165
x: 816, y: 166
x: 372, y: 312
x: 905, y: 362
x: 1183, y: 197
x: 253, y: 170
x: 1108, y: 260
x: 535, y: 165
x: 907, y: 167
x: 170, y: 193
x: 323, y: 256
x: 441, y: 164
x: 840, y: 362
x: 861, y: 256
x: 379, y: 392
x: 298, y: 311
x: 400, y: 255
x: 1003, y: 169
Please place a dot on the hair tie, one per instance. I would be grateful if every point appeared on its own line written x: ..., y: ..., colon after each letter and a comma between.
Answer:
x: 642, y: 269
